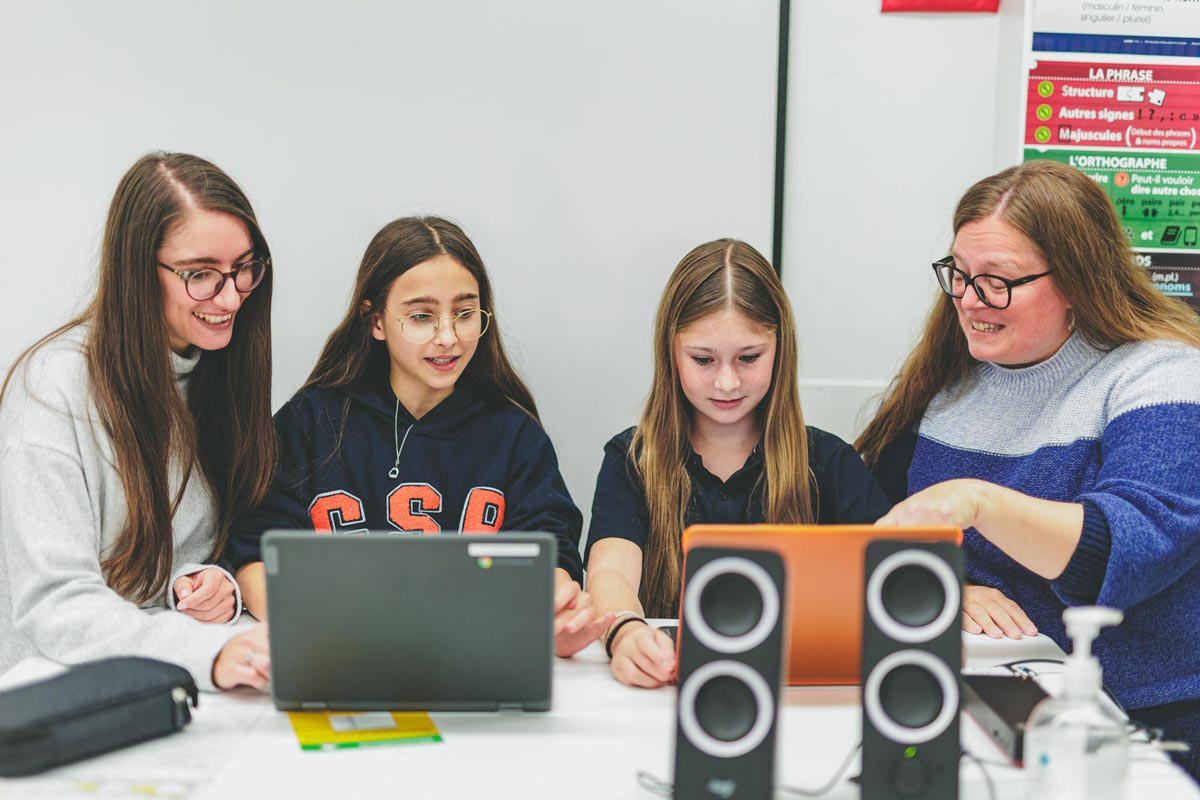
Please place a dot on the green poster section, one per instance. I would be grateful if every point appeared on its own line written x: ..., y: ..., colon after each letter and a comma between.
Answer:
x: 1157, y: 197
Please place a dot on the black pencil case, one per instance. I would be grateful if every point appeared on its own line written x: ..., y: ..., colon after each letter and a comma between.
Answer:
x: 91, y: 708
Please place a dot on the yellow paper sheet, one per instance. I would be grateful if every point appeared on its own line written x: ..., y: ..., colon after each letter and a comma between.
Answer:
x: 333, y: 730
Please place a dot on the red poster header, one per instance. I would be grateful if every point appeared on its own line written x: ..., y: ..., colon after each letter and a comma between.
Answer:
x: 1113, y: 106
x: 941, y: 5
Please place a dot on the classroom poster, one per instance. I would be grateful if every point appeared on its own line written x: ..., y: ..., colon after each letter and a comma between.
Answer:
x: 1113, y: 88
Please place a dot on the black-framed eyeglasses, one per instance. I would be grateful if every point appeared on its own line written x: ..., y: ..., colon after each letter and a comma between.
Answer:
x: 207, y: 282
x: 992, y: 290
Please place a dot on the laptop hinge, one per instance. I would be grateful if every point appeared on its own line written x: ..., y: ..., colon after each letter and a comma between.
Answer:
x: 313, y: 706
x: 510, y: 707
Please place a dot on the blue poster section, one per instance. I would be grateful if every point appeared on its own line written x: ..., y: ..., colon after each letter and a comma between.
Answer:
x: 1113, y: 44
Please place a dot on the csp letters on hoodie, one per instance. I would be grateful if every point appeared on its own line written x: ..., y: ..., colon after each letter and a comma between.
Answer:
x: 356, y: 461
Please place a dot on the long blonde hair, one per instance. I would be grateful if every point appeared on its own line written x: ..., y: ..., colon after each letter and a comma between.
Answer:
x: 1073, y: 225
x: 711, y: 278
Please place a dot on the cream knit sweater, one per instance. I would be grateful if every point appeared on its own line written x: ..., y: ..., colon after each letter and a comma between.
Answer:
x: 62, y: 508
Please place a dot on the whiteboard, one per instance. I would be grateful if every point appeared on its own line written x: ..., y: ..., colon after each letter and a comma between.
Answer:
x: 584, y: 146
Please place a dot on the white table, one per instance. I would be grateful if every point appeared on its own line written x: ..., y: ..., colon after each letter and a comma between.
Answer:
x: 590, y: 745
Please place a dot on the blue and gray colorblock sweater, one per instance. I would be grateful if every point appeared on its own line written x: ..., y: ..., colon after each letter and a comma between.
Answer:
x: 1119, y: 433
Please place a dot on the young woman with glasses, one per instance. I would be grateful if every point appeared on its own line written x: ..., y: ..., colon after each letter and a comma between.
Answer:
x: 1052, y: 410
x: 135, y: 434
x: 721, y: 440
x: 414, y: 420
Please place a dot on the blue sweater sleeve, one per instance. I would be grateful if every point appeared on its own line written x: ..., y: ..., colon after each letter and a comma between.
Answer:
x: 537, y: 498
x: 284, y: 507
x: 1148, y: 493
x: 1083, y: 577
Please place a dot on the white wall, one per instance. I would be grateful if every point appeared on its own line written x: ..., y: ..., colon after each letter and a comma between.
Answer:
x: 585, y: 146
x: 891, y: 117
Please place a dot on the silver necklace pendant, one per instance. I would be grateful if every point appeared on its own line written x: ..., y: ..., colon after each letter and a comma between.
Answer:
x: 394, y: 472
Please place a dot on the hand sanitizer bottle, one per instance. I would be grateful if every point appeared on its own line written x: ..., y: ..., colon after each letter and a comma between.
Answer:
x: 1076, y: 745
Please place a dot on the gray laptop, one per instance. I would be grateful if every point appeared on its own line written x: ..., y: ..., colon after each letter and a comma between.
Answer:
x: 402, y: 621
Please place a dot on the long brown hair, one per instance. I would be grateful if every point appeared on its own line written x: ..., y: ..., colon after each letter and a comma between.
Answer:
x: 711, y: 278
x: 1073, y: 225
x: 352, y: 353
x: 225, y: 424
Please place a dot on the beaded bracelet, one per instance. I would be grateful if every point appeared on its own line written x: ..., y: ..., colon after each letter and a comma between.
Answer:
x: 612, y: 632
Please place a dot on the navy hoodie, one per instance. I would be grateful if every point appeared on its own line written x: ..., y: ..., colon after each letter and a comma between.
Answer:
x: 473, y: 464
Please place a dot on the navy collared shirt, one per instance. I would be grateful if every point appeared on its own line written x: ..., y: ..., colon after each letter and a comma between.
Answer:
x: 725, y: 502
x: 843, y: 492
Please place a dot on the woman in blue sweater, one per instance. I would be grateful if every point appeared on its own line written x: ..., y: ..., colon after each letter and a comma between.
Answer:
x: 1052, y: 411
x: 414, y: 421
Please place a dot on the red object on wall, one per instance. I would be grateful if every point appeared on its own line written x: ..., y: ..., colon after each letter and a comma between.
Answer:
x: 941, y: 5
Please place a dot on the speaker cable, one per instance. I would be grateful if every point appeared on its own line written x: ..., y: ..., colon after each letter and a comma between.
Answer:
x: 825, y: 788
x: 661, y: 788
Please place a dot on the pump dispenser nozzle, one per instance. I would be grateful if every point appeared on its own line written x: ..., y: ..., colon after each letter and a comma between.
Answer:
x: 1082, y: 672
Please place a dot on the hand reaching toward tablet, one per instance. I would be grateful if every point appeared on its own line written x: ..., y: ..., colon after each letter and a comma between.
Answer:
x: 576, y: 624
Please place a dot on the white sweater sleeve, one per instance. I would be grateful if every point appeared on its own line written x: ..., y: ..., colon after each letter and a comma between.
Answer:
x: 192, y: 569
x: 59, y: 598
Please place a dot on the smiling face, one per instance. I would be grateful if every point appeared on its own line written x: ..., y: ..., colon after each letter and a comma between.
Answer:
x: 422, y: 375
x: 1035, y: 324
x: 725, y: 363
x: 202, y: 239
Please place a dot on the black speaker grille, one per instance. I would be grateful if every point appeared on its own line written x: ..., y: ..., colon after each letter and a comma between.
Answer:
x: 726, y: 708
x: 913, y: 595
x: 731, y: 604
x: 911, y: 696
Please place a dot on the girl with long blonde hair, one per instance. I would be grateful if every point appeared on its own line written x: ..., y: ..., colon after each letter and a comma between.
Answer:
x: 721, y: 440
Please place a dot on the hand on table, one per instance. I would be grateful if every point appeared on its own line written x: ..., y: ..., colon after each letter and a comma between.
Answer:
x: 643, y: 656
x: 987, y: 610
x: 575, y: 622
x: 206, y: 595
x: 245, y: 660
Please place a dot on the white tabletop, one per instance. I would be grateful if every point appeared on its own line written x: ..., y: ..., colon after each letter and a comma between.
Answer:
x: 590, y: 745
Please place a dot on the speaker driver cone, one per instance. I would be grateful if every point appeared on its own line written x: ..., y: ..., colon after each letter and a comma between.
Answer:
x: 903, y: 596
x: 731, y: 605
x: 911, y: 696
x: 726, y: 709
